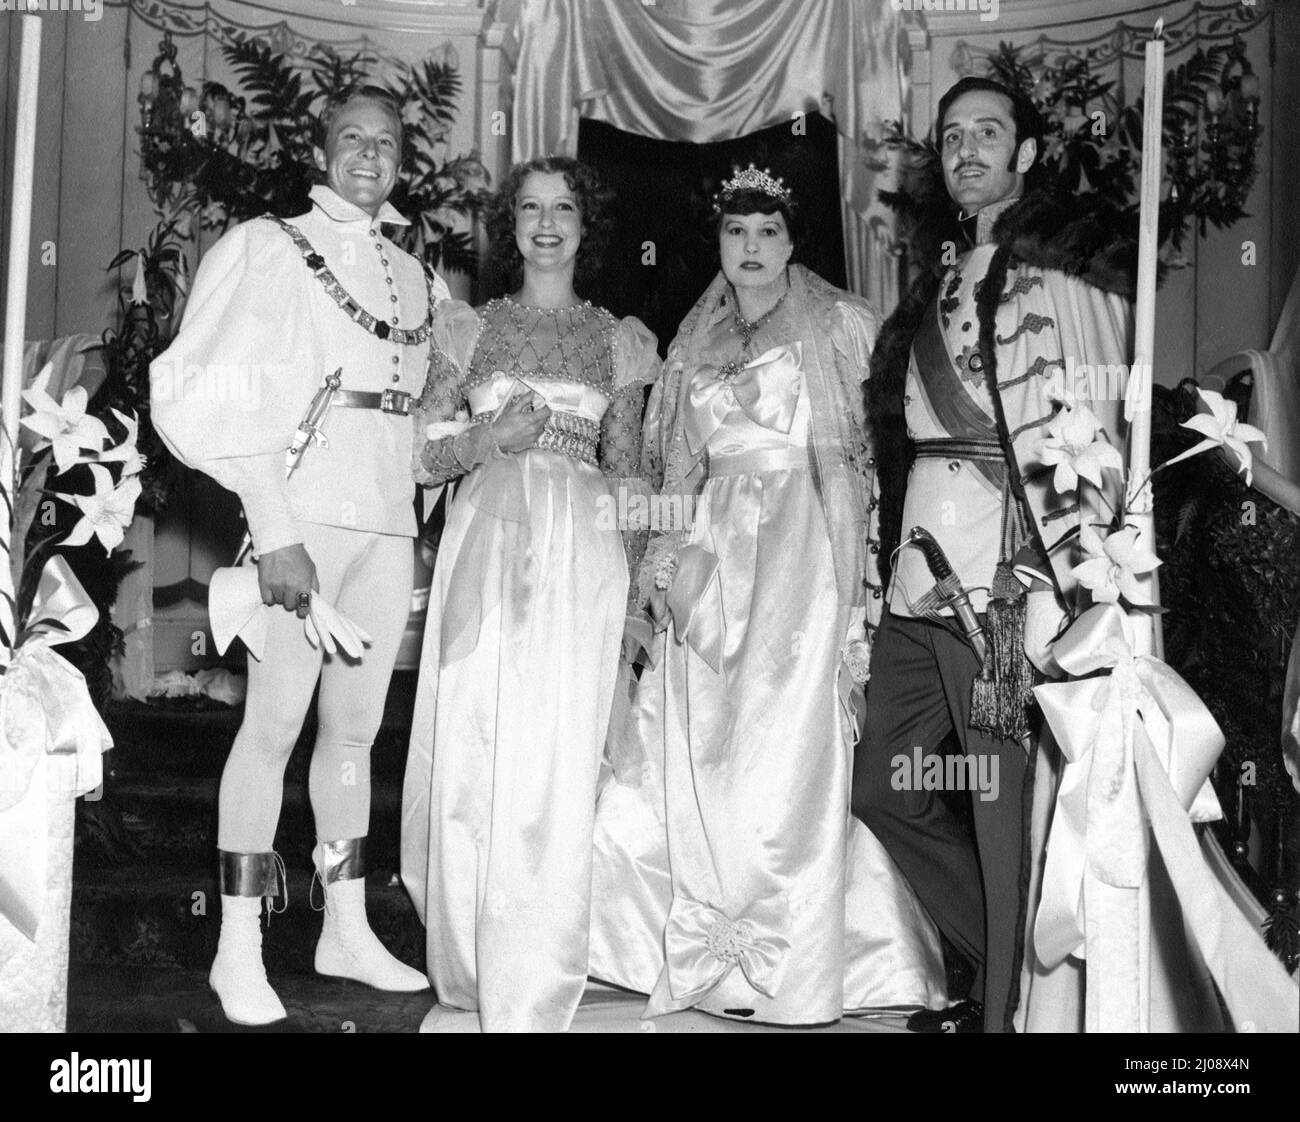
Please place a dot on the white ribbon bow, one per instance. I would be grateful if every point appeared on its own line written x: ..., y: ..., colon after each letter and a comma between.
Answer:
x: 45, y: 710
x: 1139, y: 746
x: 703, y: 946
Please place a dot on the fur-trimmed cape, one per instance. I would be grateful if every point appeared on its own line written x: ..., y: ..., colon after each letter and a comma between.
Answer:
x: 1081, y: 235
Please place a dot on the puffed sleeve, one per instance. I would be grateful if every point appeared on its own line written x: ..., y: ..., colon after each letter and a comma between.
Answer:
x: 447, y: 445
x: 636, y: 365
x: 227, y: 395
x: 855, y: 326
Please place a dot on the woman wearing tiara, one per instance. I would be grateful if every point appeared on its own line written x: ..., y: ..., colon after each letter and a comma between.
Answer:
x: 771, y: 902
x: 535, y: 400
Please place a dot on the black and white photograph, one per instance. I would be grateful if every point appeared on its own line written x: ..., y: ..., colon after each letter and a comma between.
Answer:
x: 651, y: 516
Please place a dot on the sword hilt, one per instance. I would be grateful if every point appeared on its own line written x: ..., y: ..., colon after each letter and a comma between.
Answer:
x: 309, y: 427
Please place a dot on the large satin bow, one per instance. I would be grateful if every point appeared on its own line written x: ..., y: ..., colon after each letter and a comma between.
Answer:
x: 45, y: 710
x: 702, y: 946
x: 767, y: 389
x: 1139, y: 746
x: 697, y: 623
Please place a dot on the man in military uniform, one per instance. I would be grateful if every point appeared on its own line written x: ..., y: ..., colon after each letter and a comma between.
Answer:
x: 966, y: 378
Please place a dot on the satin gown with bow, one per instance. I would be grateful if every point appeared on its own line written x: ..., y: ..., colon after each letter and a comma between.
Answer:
x: 517, y: 672
x: 760, y: 897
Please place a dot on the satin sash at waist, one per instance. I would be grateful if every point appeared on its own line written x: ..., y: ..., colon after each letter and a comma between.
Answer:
x: 758, y: 460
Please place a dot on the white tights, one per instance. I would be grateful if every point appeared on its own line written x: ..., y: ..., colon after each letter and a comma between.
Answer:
x: 367, y: 577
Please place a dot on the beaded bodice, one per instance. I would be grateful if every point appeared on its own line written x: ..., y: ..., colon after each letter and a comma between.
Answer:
x: 574, y: 344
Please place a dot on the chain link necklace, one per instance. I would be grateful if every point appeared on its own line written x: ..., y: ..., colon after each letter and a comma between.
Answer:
x: 747, y: 329
x: 380, y: 329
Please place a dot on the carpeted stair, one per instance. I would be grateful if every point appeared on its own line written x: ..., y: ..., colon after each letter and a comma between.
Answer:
x: 146, y: 912
x: 146, y: 907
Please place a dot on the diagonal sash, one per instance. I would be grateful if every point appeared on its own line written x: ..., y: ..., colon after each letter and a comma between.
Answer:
x: 954, y: 408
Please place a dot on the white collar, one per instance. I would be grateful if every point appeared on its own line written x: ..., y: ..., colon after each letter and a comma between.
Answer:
x: 339, y: 209
x: 987, y: 218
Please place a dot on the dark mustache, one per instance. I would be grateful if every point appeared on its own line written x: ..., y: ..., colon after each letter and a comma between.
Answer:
x: 970, y: 164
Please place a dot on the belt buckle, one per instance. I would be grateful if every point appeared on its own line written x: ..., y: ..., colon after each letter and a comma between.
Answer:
x: 395, y: 401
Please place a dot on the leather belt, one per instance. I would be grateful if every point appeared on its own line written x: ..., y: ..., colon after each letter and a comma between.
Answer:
x: 387, y: 401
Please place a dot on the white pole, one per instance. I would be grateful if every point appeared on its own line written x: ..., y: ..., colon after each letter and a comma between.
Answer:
x: 1138, y: 403
x: 20, y: 233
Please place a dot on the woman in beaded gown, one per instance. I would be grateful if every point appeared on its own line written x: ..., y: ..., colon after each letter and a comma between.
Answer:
x: 759, y: 897
x: 534, y: 406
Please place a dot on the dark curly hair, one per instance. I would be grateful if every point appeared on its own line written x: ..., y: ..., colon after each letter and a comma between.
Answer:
x: 759, y: 202
x: 505, y: 266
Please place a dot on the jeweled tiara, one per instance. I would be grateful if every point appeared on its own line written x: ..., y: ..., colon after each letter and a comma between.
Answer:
x: 751, y: 179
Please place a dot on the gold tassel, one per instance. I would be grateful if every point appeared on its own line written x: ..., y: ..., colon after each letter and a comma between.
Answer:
x: 1001, y: 693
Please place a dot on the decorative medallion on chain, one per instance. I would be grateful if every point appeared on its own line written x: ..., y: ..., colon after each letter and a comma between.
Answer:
x: 406, y: 337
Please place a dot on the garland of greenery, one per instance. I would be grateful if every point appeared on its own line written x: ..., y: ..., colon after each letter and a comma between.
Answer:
x: 1092, y: 143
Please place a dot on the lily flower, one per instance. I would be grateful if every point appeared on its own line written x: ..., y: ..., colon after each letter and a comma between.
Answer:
x: 126, y: 453
x: 1073, y: 446
x: 107, y: 513
x: 63, y: 425
x: 139, y: 287
x: 1221, y: 429
x: 1112, y: 566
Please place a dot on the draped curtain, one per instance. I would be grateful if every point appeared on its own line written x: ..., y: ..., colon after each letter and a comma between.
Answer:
x: 710, y: 70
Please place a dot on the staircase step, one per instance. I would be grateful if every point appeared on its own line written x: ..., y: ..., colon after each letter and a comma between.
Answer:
x: 146, y: 916
x: 173, y: 819
x: 150, y: 998
x: 192, y: 737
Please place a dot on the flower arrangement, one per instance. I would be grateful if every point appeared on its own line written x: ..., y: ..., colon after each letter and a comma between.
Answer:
x: 1114, y: 559
x: 68, y: 438
x: 1139, y: 744
x: 46, y: 709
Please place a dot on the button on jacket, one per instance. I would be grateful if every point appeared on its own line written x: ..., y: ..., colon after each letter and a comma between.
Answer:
x: 260, y: 335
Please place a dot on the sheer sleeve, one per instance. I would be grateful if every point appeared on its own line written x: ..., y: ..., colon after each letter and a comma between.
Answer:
x: 447, y: 445
x: 636, y: 365
x: 671, y: 474
x: 854, y: 329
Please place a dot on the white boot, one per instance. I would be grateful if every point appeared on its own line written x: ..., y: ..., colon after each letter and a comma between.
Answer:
x: 347, y: 947
x: 238, y: 975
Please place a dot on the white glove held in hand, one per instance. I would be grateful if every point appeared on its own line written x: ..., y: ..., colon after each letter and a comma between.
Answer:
x: 328, y: 627
x: 1044, y: 621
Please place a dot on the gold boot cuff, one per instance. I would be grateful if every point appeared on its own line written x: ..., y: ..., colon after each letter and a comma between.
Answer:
x: 341, y: 860
x: 252, y: 874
